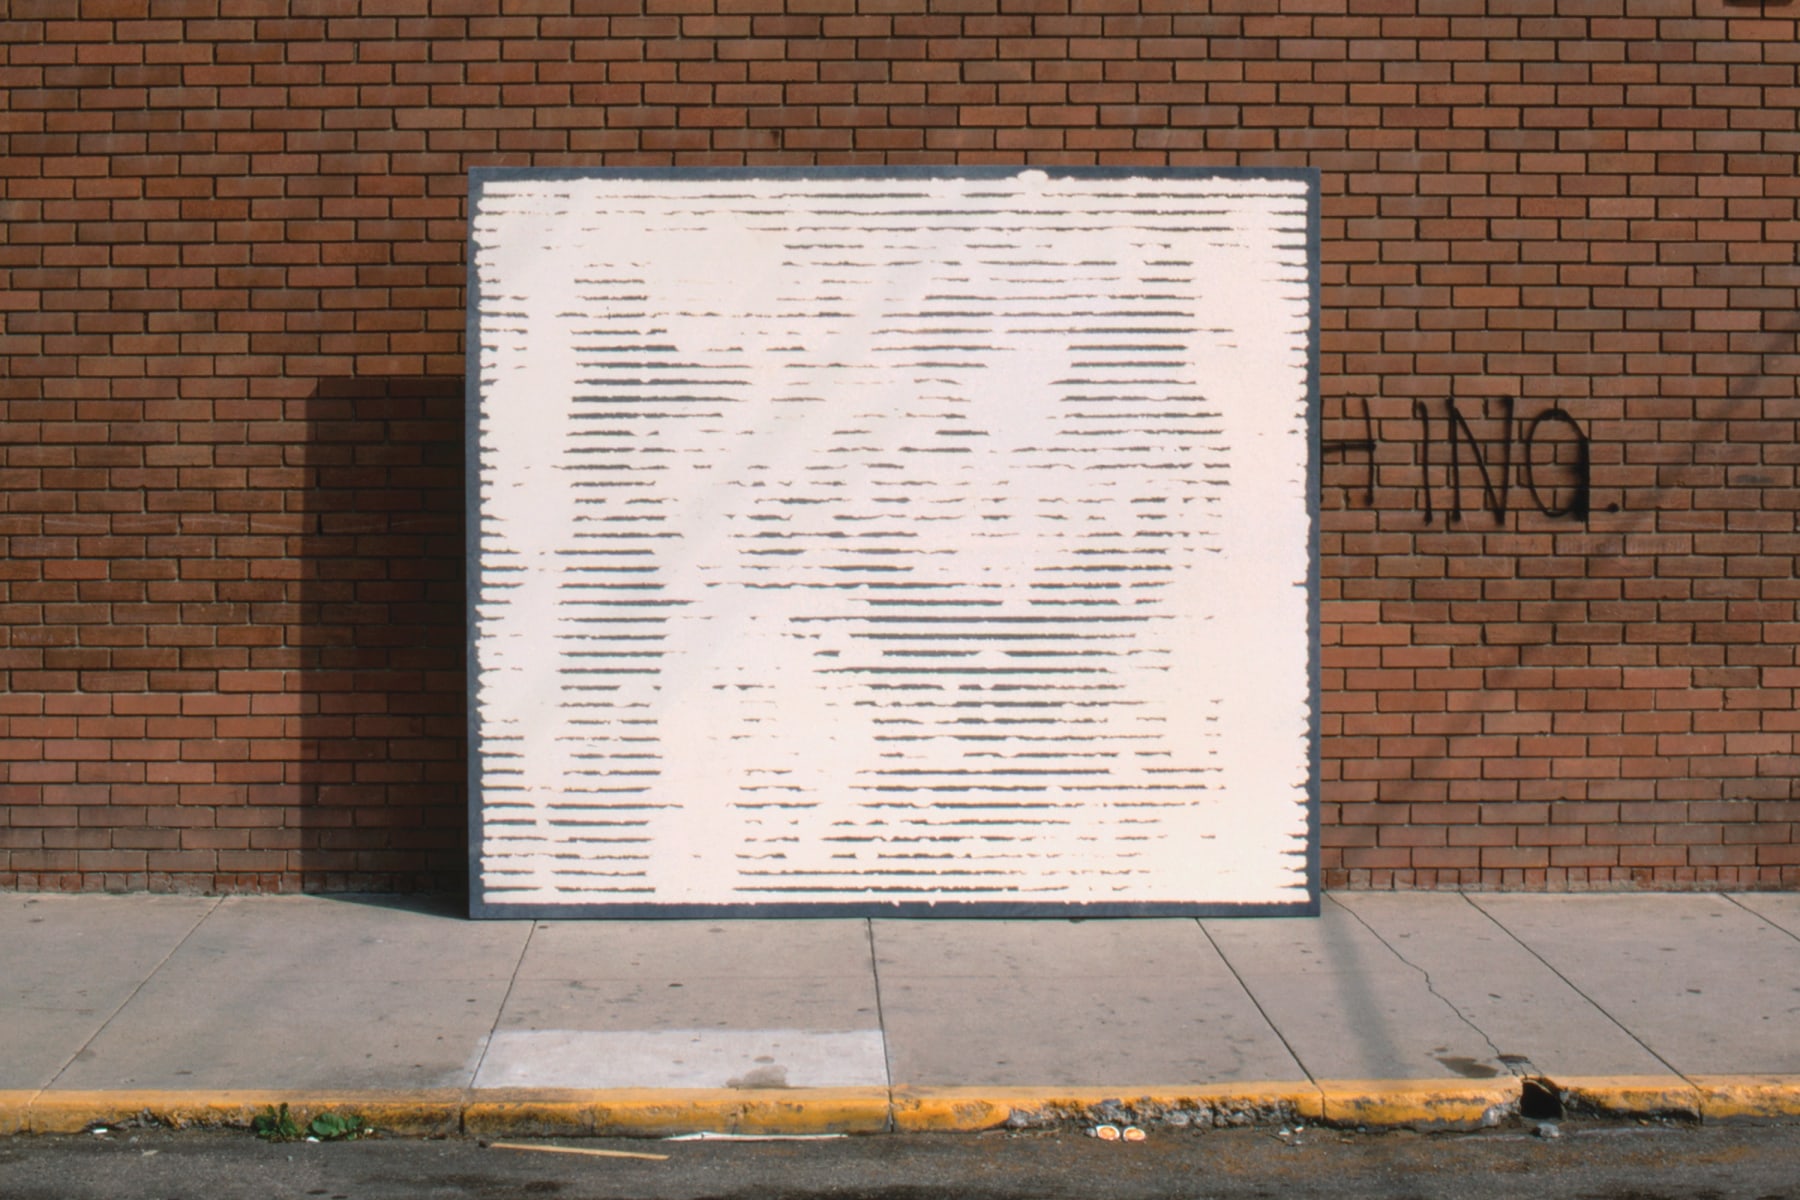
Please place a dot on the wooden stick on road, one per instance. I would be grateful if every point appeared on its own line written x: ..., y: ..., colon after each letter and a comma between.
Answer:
x: 575, y: 1150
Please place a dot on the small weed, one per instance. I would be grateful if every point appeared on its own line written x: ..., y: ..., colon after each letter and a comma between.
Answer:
x: 338, y: 1127
x: 278, y: 1125
x: 275, y: 1125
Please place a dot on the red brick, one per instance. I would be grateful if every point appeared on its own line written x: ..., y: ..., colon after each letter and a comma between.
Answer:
x: 1593, y: 210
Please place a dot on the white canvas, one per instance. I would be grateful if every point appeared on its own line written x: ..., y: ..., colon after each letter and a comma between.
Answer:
x: 891, y: 539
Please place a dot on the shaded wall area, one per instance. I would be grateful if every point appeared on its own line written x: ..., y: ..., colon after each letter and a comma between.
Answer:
x: 243, y: 665
x: 1558, y: 376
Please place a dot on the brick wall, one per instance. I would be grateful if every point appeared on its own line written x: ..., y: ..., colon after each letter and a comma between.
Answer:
x: 1559, y: 248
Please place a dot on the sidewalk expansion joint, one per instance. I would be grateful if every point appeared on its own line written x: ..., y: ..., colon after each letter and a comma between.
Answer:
x: 1255, y: 1001
x: 1570, y: 983
x: 138, y: 990
x: 1763, y: 917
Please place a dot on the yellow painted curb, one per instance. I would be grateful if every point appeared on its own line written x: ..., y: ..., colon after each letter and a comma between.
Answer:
x: 971, y: 1109
x: 1630, y: 1095
x: 528, y: 1112
x: 661, y: 1112
x: 15, y: 1112
x: 1723, y: 1097
x: 410, y: 1113
x: 1418, y: 1102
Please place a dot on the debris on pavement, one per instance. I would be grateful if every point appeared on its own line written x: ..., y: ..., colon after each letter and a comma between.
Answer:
x: 576, y: 1150
x: 706, y: 1136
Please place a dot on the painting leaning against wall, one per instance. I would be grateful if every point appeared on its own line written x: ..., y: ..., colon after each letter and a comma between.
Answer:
x: 894, y: 541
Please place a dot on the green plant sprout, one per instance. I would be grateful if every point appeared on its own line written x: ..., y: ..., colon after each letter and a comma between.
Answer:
x: 278, y: 1125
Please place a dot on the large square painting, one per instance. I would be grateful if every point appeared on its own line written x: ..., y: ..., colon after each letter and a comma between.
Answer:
x: 904, y: 542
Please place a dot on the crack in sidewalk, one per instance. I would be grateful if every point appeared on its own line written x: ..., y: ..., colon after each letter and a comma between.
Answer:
x: 1504, y: 1060
x: 887, y: 1049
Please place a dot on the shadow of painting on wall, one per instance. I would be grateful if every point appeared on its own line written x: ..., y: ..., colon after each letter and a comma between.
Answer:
x: 374, y: 788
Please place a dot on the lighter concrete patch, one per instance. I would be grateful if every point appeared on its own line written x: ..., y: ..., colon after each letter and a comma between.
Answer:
x: 684, y: 1058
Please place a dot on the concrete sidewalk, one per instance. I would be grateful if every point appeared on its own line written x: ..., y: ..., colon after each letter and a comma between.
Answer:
x: 1388, y: 1009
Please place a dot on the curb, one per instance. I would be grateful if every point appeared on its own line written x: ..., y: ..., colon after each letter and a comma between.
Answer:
x: 660, y: 1112
x: 1752, y: 1097
x: 1632, y: 1096
x: 974, y: 1109
x: 15, y: 1112
x: 1420, y: 1104
x: 411, y: 1114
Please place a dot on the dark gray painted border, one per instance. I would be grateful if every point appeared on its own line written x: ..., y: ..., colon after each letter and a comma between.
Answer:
x: 989, y: 910
x: 482, y: 908
x: 478, y: 175
x: 1314, y: 460
x: 472, y: 530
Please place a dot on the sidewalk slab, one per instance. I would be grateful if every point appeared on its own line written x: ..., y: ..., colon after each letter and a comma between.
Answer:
x: 70, y: 963
x: 1401, y: 1009
x: 1350, y: 1007
x: 691, y: 1004
x: 1535, y: 1021
x: 672, y: 951
x: 312, y: 993
x: 1706, y: 985
x: 1068, y: 1004
x: 1780, y: 909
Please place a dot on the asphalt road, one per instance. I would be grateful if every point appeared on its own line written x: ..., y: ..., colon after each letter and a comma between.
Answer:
x: 1592, y: 1161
